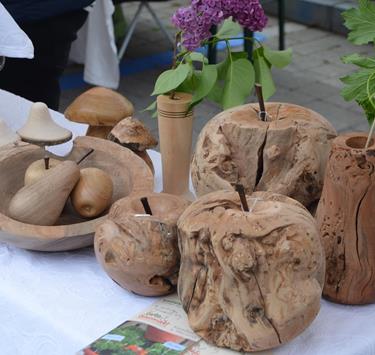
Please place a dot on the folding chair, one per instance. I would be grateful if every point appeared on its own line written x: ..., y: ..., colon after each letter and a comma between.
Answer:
x: 143, y: 4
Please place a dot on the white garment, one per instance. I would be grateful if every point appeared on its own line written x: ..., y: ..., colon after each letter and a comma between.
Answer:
x: 14, y: 43
x: 95, y: 47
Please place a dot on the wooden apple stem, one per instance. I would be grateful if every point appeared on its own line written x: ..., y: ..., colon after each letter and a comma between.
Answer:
x: 262, y: 107
x: 241, y: 191
x: 85, y: 156
x: 46, y: 163
x: 146, y: 206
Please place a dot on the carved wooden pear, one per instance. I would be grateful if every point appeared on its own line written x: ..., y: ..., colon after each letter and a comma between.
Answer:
x: 37, y: 170
x: 42, y: 202
x: 93, y: 193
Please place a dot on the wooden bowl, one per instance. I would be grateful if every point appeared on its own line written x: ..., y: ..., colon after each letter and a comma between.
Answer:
x: 129, y: 173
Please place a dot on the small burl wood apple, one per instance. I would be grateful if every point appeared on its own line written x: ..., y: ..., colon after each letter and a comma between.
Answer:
x: 252, y: 280
x: 285, y: 153
x: 137, y: 246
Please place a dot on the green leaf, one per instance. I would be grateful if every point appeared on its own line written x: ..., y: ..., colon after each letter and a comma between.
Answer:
x: 356, y: 85
x: 171, y: 79
x: 206, y: 82
x: 263, y: 74
x: 358, y: 60
x: 216, y: 94
x: 222, y: 67
x: 239, y: 82
x: 198, y: 57
x: 152, y: 107
x: 361, y: 22
x: 229, y: 29
x: 279, y: 59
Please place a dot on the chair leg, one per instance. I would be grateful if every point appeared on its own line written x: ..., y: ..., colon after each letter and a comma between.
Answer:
x: 212, y: 50
x: 159, y: 23
x: 281, y: 11
x: 248, y: 44
x: 130, y: 31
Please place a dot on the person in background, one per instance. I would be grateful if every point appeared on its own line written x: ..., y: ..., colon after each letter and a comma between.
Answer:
x: 52, y: 26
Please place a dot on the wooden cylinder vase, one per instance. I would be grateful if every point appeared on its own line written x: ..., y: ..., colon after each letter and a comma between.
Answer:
x: 175, y: 135
x: 346, y: 221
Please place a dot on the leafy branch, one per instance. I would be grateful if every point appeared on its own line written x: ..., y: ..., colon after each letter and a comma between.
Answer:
x: 228, y: 83
x: 360, y: 85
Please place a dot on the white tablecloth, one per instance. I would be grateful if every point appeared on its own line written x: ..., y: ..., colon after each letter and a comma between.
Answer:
x: 56, y: 303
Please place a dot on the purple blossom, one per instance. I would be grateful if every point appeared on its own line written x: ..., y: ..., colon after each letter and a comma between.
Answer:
x: 196, y: 20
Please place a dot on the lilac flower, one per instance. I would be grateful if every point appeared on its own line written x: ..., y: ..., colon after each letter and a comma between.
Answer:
x: 196, y: 20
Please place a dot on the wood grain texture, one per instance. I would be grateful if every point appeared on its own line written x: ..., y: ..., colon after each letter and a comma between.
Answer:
x: 93, y: 193
x: 140, y: 252
x: 42, y: 202
x: 129, y: 174
x: 175, y: 135
x: 249, y: 281
x: 346, y: 221
x: 287, y: 154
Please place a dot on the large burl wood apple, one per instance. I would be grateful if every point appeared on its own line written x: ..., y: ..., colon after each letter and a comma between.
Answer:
x: 286, y: 154
x: 252, y: 280
x: 346, y: 220
x: 140, y: 251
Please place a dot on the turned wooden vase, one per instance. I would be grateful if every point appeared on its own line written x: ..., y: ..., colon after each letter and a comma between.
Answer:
x: 346, y: 221
x: 175, y: 123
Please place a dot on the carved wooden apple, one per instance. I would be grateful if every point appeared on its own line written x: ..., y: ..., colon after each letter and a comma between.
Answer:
x: 140, y: 251
x: 286, y: 154
x: 249, y: 281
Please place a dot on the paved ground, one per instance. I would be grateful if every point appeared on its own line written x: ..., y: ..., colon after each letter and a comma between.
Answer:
x: 312, y: 80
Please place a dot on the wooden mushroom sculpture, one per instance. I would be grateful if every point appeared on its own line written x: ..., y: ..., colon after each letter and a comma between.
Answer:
x: 286, y: 154
x: 101, y: 109
x: 133, y: 134
x: 41, y: 130
x: 139, y: 250
x: 253, y: 280
x: 6, y: 134
x: 346, y: 220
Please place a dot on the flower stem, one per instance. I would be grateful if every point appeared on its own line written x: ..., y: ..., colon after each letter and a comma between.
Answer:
x: 174, y: 64
x: 370, y: 97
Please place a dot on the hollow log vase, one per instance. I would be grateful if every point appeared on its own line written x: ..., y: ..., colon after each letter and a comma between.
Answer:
x: 249, y: 281
x: 286, y: 154
x: 129, y: 173
x: 139, y: 251
x: 346, y: 220
x: 175, y: 137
